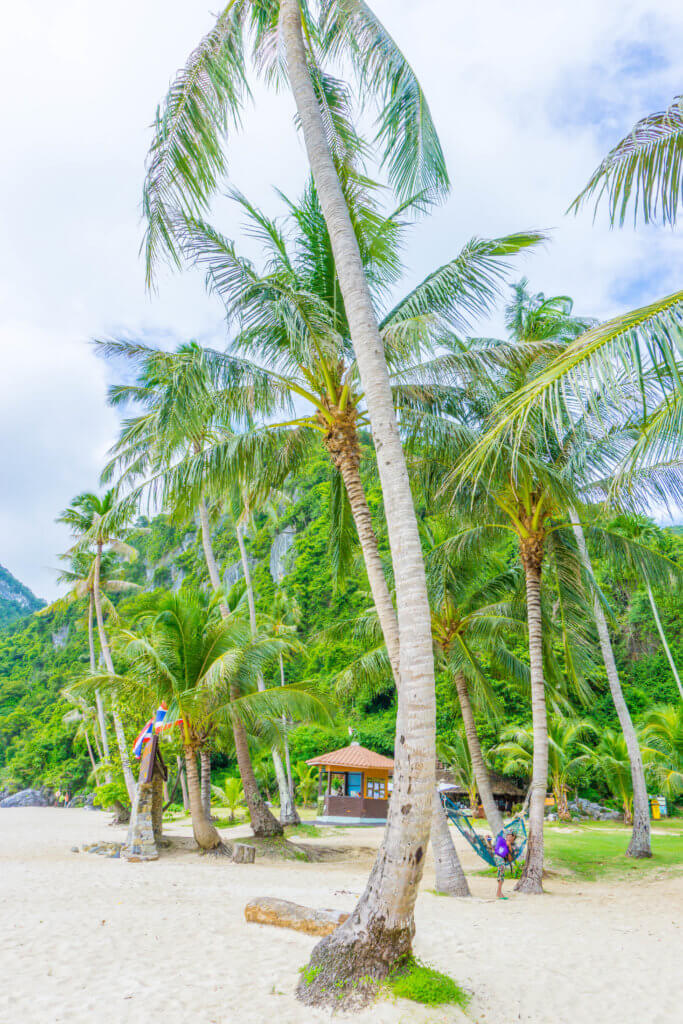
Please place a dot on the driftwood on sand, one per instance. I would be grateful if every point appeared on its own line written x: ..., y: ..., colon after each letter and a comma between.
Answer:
x: 283, y: 914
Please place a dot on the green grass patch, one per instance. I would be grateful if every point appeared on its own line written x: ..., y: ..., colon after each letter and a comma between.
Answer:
x: 424, y: 984
x: 303, y: 829
x: 592, y: 853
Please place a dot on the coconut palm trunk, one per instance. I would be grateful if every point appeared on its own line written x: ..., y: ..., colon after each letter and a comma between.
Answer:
x: 93, y: 762
x: 263, y: 823
x: 493, y: 815
x: 205, y: 765
x: 183, y: 782
x: 381, y: 926
x: 206, y: 836
x: 344, y: 449
x: 450, y: 877
x: 285, y: 727
x: 98, y: 696
x: 108, y: 661
x: 639, y: 845
x: 288, y: 812
x: 662, y: 637
x: 532, y: 873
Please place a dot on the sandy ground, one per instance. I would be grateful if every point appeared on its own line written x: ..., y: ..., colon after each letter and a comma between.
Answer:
x: 86, y: 940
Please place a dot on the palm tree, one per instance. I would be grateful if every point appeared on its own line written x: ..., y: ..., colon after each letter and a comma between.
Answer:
x: 524, y: 490
x: 186, y: 159
x: 307, y: 782
x: 663, y: 731
x: 83, y: 715
x: 283, y: 621
x: 230, y: 795
x: 79, y: 578
x: 182, y: 410
x: 295, y: 334
x: 564, y: 739
x: 96, y: 522
x: 204, y: 667
x: 611, y: 759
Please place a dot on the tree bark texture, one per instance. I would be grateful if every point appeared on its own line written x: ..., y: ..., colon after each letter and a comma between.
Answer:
x: 381, y: 927
x: 263, y: 823
x: 205, y: 766
x: 493, y: 815
x: 108, y: 661
x: 450, y: 877
x: 183, y: 782
x: 639, y: 845
x: 346, y: 457
x: 206, y: 836
x: 532, y: 873
x: 98, y: 696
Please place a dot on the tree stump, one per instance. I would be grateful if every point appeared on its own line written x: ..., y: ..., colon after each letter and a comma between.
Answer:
x: 244, y: 854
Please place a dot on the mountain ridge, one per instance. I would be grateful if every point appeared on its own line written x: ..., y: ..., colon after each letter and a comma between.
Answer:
x: 16, y: 599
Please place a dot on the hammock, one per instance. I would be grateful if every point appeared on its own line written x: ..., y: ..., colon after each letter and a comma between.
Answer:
x: 515, y: 828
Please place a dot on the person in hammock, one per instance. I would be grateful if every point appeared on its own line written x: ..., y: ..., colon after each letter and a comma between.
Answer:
x: 503, y: 851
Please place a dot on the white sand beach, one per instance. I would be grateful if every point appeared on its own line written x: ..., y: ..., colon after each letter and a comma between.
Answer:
x: 86, y: 940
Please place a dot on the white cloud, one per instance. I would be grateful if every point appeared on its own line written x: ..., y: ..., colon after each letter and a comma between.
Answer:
x: 527, y: 98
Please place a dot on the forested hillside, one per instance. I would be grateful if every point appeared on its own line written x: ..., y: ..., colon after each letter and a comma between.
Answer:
x: 290, y: 549
x: 16, y: 600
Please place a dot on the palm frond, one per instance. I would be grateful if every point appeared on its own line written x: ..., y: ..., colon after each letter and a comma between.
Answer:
x: 186, y: 157
x: 645, y: 168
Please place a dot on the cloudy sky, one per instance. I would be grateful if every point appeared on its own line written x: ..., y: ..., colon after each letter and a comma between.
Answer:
x: 527, y: 98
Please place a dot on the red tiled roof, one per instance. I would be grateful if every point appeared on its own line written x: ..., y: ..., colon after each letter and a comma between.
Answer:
x: 354, y: 756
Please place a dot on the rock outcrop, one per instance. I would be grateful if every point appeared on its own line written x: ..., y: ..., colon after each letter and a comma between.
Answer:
x: 30, y: 798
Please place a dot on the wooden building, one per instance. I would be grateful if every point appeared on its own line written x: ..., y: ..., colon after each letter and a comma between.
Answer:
x: 356, y: 783
x: 506, y: 792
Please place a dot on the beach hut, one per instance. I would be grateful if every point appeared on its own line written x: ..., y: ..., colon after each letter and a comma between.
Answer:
x: 357, y: 785
x: 506, y: 792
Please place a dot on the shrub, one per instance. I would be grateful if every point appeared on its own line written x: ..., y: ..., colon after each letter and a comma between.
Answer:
x: 424, y: 984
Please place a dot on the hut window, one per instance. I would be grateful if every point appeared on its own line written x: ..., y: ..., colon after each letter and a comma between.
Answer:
x: 354, y: 783
x: 377, y: 789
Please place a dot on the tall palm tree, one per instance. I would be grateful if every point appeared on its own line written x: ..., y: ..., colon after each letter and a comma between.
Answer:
x: 295, y: 334
x: 96, y: 523
x: 204, y: 667
x: 179, y: 395
x: 564, y: 760
x: 525, y: 491
x: 186, y: 159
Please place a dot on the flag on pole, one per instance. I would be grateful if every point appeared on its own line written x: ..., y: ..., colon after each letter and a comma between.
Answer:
x: 143, y: 738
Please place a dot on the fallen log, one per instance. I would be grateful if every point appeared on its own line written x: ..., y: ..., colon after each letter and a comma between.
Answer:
x: 283, y: 914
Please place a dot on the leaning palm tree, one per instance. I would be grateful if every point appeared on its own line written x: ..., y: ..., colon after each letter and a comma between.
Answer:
x: 178, y: 393
x: 97, y: 524
x: 186, y: 159
x: 295, y: 337
x: 204, y: 667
